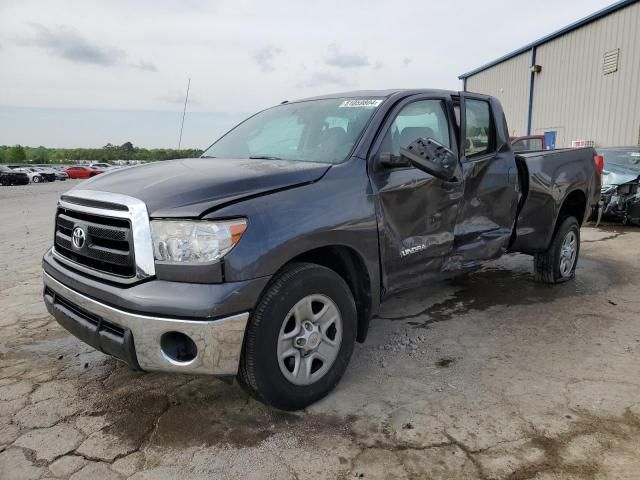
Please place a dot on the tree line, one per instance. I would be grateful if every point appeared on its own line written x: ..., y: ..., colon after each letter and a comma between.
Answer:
x: 108, y: 153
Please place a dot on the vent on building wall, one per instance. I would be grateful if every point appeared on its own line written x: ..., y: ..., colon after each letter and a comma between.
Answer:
x: 610, y: 63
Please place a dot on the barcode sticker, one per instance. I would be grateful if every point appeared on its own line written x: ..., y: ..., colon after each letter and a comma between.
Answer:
x: 361, y: 103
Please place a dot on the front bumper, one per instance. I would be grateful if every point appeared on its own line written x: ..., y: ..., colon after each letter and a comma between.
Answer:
x: 136, y: 339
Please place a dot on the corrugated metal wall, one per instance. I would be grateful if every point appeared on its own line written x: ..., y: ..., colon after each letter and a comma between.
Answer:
x: 508, y: 81
x: 573, y: 97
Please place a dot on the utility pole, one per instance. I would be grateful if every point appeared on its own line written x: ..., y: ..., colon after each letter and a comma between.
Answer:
x: 184, y: 111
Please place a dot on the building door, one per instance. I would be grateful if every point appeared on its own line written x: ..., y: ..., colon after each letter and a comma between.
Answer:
x: 550, y: 140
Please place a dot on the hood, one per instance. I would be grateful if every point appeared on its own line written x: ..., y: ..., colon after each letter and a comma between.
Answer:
x: 191, y: 187
x: 617, y: 175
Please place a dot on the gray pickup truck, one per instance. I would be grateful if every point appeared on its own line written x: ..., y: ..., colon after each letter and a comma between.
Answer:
x: 266, y: 258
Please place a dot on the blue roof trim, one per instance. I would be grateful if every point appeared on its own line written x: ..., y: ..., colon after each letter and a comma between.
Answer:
x: 573, y: 26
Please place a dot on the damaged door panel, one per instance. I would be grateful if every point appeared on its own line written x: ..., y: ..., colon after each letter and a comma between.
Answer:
x: 487, y: 213
x: 417, y: 210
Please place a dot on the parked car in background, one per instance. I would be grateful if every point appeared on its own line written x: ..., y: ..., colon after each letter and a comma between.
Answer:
x: 528, y: 143
x: 50, y: 174
x: 80, y: 171
x: 621, y: 184
x: 32, y: 173
x: 11, y: 177
x: 267, y: 257
x: 102, y: 166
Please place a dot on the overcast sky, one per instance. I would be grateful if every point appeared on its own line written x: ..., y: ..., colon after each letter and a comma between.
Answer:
x: 85, y: 73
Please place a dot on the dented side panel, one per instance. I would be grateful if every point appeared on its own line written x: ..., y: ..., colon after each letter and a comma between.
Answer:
x: 488, y: 212
x: 418, y: 213
x: 553, y: 176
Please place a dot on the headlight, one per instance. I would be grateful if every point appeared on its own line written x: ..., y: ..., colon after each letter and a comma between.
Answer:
x: 195, y: 241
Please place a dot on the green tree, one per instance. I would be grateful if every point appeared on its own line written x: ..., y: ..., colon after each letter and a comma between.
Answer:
x: 17, y: 154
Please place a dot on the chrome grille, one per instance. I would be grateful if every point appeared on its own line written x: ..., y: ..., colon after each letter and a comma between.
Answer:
x: 118, y: 245
x: 108, y: 245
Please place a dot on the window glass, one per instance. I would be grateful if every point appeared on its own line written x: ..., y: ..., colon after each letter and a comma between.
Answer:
x: 421, y: 119
x: 281, y: 135
x: 527, y: 145
x: 623, y: 157
x: 323, y: 130
x: 478, y: 134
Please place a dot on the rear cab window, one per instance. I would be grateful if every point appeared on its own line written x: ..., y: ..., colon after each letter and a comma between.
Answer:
x: 527, y: 145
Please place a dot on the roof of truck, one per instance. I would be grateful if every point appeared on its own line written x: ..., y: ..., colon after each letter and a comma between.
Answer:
x: 379, y: 93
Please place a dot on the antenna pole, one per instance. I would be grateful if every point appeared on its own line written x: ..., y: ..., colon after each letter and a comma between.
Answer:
x: 184, y: 111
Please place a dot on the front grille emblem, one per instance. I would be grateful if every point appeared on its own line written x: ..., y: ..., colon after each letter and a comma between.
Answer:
x: 79, y: 237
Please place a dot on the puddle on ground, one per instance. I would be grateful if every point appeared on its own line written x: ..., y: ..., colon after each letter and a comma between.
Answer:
x: 201, y: 412
x: 513, y: 284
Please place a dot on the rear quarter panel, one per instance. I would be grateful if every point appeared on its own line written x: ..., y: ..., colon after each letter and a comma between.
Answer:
x: 552, y: 177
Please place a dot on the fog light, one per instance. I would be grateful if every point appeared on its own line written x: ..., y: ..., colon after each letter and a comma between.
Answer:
x: 178, y: 348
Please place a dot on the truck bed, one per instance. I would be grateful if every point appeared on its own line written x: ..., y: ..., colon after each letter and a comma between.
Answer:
x: 547, y: 179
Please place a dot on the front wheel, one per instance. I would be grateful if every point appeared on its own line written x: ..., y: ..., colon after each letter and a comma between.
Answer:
x: 300, y: 337
x: 36, y: 180
x: 558, y: 263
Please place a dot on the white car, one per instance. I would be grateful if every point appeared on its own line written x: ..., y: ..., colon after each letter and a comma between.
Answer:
x: 102, y: 166
x: 34, y: 175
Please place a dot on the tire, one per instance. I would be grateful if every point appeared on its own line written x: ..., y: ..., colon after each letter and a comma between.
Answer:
x: 558, y: 263
x: 36, y: 179
x: 266, y: 372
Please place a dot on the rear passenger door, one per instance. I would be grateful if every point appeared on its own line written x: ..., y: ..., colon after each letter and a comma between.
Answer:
x: 488, y: 211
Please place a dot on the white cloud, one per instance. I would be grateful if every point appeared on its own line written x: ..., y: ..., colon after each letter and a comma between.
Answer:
x: 244, y: 55
x: 265, y: 57
x: 341, y: 59
x: 67, y: 43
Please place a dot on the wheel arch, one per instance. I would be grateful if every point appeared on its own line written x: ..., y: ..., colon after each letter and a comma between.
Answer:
x: 351, y: 266
x: 573, y: 205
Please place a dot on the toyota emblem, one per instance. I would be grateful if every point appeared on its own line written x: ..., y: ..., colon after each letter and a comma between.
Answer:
x: 78, y: 237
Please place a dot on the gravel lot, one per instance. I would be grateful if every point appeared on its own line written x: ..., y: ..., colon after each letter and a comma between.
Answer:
x: 489, y: 376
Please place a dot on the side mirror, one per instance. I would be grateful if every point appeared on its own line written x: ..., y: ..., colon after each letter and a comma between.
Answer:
x: 431, y: 157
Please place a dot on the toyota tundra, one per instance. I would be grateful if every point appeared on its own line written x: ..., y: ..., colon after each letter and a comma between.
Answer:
x: 265, y: 259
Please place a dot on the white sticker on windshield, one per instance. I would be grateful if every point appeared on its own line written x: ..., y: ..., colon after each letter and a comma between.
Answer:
x: 361, y: 103
x: 635, y: 154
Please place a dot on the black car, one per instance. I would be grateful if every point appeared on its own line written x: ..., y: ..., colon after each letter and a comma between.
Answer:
x: 9, y: 177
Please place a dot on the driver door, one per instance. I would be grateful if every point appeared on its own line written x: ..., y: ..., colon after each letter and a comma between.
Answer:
x: 416, y: 212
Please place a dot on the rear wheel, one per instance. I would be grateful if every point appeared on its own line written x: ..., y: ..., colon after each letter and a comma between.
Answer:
x: 36, y: 179
x: 558, y: 263
x: 300, y: 337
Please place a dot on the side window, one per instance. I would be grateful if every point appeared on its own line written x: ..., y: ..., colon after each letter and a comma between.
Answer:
x: 421, y: 119
x: 479, y: 134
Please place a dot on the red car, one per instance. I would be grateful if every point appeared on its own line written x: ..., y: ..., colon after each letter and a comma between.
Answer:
x: 528, y: 143
x: 79, y: 171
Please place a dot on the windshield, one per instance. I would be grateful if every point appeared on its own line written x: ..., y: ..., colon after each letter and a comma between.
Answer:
x: 312, y: 131
x: 622, y: 157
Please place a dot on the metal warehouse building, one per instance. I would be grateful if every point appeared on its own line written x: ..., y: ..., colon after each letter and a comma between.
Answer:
x: 581, y: 83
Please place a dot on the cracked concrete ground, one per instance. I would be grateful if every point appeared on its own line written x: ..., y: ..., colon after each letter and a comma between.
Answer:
x: 490, y: 376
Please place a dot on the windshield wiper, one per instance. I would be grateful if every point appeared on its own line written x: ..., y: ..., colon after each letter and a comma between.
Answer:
x: 206, y: 156
x: 264, y: 157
